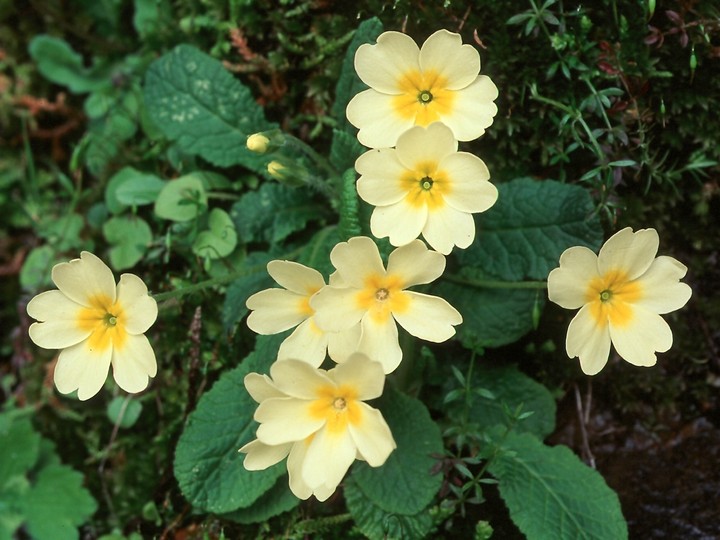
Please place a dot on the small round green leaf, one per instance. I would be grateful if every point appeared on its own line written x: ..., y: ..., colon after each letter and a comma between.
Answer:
x: 35, y: 272
x: 124, y: 411
x: 219, y: 240
x: 130, y: 187
x: 181, y: 199
x: 130, y: 237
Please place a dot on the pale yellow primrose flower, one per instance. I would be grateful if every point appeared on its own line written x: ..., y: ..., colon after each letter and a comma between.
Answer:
x: 96, y: 323
x: 621, y: 294
x: 260, y: 456
x: 376, y: 298
x: 425, y: 186
x: 319, y: 420
x: 277, y: 310
x: 411, y: 86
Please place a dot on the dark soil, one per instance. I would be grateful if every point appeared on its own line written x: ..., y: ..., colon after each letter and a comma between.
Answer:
x: 668, y: 481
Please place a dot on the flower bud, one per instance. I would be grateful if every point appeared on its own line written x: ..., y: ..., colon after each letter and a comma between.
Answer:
x: 288, y: 172
x: 258, y: 143
x: 275, y: 168
x: 264, y: 142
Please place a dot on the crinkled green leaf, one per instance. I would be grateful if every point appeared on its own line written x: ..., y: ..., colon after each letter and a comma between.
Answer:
x: 345, y: 150
x: 273, y: 502
x: 349, y: 225
x: 130, y: 237
x: 520, y: 238
x: 273, y: 212
x: 491, y: 317
x: 196, y: 102
x: 12, y: 493
x: 19, y: 447
x: 208, y: 466
x: 48, y: 455
x: 377, y: 524
x: 105, y: 135
x: 408, y: 469
x: 35, y: 489
x: 531, y: 224
x: 349, y: 83
x: 57, y: 504
x: 316, y: 253
x: 181, y: 199
x: 219, y: 240
x: 551, y: 494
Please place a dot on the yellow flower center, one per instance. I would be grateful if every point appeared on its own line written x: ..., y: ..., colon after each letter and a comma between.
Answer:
x: 424, y: 98
x: 381, y: 296
x: 426, y: 185
x: 106, y: 322
x: 338, y: 406
x: 611, y: 298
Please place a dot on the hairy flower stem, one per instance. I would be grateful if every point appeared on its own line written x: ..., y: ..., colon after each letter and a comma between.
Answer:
x: 310, y: 152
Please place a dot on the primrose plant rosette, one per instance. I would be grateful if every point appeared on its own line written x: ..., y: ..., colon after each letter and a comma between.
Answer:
x: 374, y: 299
x: 425, y: 186
x: 439, y: 82
x: 621, y: 293
x: 96, y: 323
x: 319, y: 421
